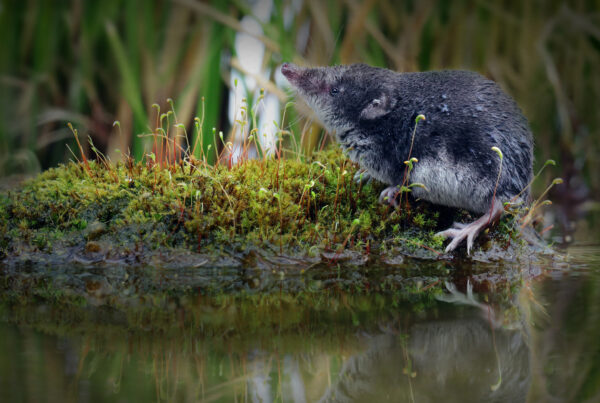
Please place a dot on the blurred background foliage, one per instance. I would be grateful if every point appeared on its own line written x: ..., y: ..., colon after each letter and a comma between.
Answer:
x: 95, y: 62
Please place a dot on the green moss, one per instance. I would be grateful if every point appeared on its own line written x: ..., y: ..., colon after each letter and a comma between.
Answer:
x: 213, y: 311
x: 291, y: 205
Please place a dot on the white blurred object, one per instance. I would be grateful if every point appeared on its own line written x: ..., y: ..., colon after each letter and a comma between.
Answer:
x: 250, y: 52
x: 259, y: 380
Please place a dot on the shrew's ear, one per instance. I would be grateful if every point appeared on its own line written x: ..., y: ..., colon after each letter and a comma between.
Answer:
x: 378, y: 107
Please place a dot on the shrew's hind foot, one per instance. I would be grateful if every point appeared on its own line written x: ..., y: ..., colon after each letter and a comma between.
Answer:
x: 459, y: 232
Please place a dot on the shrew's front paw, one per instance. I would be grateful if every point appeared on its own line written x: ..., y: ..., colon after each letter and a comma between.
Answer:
x: 390, y: 196
x: 361, y: 176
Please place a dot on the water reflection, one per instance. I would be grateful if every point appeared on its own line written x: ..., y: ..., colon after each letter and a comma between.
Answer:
x: 455, y: 359
x: 532, y: 339
x: 450, y: 360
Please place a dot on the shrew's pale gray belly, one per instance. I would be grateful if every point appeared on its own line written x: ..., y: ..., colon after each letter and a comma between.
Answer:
x: 451, y: 185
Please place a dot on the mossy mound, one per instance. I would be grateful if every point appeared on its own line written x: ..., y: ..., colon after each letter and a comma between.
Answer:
x: 293, y: 207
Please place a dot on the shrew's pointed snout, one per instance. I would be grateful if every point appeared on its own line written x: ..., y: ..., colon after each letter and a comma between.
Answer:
x: 291, y: 72
x: 306, y: 80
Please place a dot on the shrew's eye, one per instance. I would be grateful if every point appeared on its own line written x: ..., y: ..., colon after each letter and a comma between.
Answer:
x: 334, y: 90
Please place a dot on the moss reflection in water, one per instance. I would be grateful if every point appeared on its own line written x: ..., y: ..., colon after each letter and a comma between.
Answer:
x: 166, y: 344
x: 170, y: 347
x: 517, y: 338
x: 320, y: 355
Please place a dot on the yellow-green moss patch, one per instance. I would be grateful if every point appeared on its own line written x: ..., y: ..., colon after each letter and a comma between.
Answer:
x: 291, y: 206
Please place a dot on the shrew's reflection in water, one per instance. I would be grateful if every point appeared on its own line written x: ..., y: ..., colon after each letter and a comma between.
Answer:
x: 468, y: 352
x: 463, y: 359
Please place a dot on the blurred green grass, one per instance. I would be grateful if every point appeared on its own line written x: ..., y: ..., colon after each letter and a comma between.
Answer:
x: 91, y: 63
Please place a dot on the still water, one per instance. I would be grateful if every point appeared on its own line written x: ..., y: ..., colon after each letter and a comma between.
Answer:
x: 533, y: 337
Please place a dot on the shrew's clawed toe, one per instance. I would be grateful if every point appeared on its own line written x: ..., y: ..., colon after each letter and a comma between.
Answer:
x: 389, y: 196
x: 459, y: 232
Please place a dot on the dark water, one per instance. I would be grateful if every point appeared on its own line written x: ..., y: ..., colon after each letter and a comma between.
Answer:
x: 533, y: 338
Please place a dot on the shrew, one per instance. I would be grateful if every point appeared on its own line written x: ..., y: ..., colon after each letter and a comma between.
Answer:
x: 372, y: 112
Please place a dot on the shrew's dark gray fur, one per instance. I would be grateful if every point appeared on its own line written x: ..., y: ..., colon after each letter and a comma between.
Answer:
x: 372, y: 111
